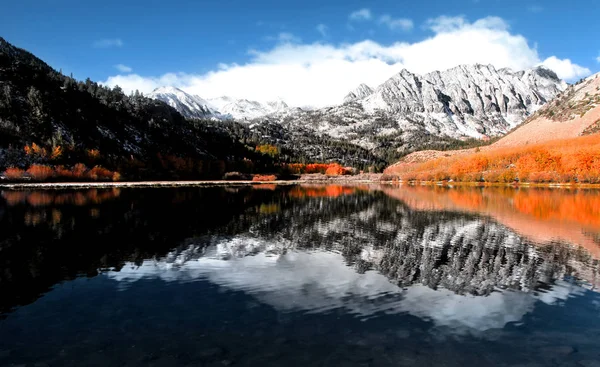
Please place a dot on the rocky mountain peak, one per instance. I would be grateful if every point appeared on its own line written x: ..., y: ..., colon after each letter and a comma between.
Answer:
x: 359, y: 92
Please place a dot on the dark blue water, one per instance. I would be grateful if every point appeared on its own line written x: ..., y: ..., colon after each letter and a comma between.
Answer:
x: 284, y: 276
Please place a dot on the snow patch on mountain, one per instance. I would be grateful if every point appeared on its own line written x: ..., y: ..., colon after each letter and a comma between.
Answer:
x: 360, y: 92
x: 188, y: 105
x: 243, y: 109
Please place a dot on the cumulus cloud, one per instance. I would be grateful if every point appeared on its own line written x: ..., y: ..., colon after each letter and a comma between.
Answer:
x: 323, y: 29
x: 565, y: 68
x: 123, y: 68
x: 320, y: 74
x: 361, y: 14
x: 108, y: 42
x: 396, y: 23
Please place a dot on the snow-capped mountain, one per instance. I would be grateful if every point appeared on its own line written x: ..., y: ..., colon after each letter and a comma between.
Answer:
x: 243, y: 109
x: 410, y: 110
x: 407, y: 112
x: 188, y: 105
x: 223, y: 108
x: 476, y: 90
x: 360, y: 92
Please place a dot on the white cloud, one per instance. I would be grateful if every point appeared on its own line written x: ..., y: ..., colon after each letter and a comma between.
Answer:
x: 320, y: 74
x: 565, y: 68
x: 323, y: 29
x: 108, y: 42
x: 396, y: 23
x: 362, y: 14
x: 598, y: 58
x: 123, y: 68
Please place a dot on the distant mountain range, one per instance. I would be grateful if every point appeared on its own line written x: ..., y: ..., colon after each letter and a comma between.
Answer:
x: 408, y: 111
x: 222, y: 108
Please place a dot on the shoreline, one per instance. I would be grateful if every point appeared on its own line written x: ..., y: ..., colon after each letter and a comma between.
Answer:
x: 344, y: 181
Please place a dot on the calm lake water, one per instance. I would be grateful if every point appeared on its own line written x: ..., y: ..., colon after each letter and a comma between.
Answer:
x: 300, y: 276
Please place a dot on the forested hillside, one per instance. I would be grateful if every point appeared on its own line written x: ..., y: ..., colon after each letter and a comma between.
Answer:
x: 48, y: 118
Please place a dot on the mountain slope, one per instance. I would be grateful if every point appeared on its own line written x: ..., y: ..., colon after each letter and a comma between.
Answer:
x: 243, y: 109
x: 559, y: 143
x: 223, y: 108
x: 186, y: 104
x: 575, y: 112
x: 142, y: 136
x: 362, y: 91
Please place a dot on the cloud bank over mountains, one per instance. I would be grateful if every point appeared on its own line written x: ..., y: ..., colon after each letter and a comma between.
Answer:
x: 319, y: 74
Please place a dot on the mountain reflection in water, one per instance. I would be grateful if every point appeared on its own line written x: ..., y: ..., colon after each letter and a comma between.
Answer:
x: 456, y: 268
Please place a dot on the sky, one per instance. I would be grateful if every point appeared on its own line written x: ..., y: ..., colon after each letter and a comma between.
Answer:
x: 308, y: 53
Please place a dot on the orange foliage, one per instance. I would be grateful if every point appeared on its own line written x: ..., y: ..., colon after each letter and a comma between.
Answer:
x: 56, y: 152
x: 93, y: 153
x: 35, y: 150
x: 569, y: 160
x: 100, y: 173
x: 267, y: 149
x: 300, y: 168
x: 44, y: 198
x: 63, y: 172
x: 13, y: 173
x: 40, y: 172
x: 79, y: 171
x: 335, y: 170
x: 264, y: 178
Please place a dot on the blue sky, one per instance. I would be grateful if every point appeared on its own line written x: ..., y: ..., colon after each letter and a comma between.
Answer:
x: 266, y: 49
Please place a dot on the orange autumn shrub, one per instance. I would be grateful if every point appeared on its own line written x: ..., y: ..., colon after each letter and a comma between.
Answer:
x: 79, y: 171
x: 264, y: 178
x: 100, y: 173
x: 63, y: 172
x: 13, y: 173
x: 300, y: 168
x: 40, y: 172
x: 568, y: 160
x: 335, y: 169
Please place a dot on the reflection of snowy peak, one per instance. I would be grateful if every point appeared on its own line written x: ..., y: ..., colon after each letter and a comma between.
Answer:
x: 461, y: 273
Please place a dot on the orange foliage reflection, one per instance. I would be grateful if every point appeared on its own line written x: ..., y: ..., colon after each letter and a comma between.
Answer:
x: 46, y: 198
x: 541, y: 215
x: 331, y: 191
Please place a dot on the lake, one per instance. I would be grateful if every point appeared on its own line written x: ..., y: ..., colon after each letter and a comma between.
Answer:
x: 298, y: 275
